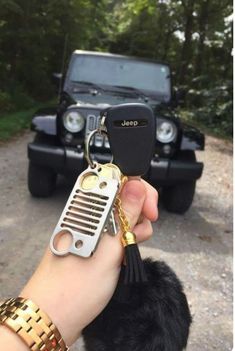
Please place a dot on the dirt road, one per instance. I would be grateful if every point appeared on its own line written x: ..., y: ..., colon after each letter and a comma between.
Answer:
x: 197, y: 245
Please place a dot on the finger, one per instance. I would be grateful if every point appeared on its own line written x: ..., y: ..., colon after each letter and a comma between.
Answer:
x: 150, y: 207
x: 144, y: 230
x: 132, y: 198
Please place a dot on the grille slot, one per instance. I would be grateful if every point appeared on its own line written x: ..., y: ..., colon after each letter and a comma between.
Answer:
x: 81, y: 230
x: 79, y: 223
x: 92, y: 123
x: 79, y: 204
x: 103, y: 197
x: 106, y: 143
x: 74, y: 214
x: 82, y: 210
x: 88, y: 204
x: 91, y: 199
x: 99, y: 140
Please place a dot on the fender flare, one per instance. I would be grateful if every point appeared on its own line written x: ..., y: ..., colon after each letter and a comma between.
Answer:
x: 192, y: 138
x: 44, y: 121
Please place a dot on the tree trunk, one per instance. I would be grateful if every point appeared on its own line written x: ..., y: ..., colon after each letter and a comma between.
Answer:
x: 188, y: 31
x: 166, y: 45
x: 203, y: 26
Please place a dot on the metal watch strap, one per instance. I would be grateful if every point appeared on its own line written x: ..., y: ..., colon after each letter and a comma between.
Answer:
x: 34, y: 327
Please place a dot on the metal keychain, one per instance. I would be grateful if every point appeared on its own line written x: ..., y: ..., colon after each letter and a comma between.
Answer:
x: 88, y: 210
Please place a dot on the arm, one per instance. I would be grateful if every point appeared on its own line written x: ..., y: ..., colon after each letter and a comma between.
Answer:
x: 10, y: 341
x: 73, y: 290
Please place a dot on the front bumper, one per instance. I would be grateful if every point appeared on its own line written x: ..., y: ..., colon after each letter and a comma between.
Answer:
x: 170, y: 172
x: 71, y: 160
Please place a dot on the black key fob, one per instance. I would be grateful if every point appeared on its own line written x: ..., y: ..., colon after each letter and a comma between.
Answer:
x: 131, y: 132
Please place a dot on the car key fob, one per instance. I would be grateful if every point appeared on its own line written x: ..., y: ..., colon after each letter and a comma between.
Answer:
x: 131, y: 132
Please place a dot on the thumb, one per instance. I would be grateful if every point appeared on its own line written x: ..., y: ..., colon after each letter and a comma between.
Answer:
x: 132, y: 200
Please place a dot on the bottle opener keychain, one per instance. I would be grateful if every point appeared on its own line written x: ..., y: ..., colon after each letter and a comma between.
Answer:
x: 88, y: 211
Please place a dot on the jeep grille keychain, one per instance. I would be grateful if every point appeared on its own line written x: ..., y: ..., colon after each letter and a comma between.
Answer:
x: 88, y: 208
x: 131, y: 132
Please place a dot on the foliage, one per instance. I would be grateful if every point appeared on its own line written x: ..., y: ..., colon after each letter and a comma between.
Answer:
x: 32, y: 37
x: 15, y: 122
x: 194, y: 36
x: 215, y: 107
x: 5, y: 102
x: 14, y: 99
x: 11, y: 124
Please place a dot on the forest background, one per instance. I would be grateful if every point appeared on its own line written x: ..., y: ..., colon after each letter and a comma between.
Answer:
x: 193, y: 36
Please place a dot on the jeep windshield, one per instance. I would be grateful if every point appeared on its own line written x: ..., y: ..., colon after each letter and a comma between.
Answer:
x: 119, y: 74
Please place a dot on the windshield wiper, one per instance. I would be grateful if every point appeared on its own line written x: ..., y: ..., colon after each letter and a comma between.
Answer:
x: 90, y: 84
x: 134, y: 90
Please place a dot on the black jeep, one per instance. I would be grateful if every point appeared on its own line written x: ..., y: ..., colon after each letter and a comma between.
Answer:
x: 93, y: 82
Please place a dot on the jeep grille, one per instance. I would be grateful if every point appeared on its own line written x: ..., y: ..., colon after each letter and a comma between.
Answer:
x: 98, y: 141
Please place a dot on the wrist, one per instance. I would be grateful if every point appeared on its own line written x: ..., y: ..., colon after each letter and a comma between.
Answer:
x: 55, y: 299
x: 11, y: 341
x: 72, y: 305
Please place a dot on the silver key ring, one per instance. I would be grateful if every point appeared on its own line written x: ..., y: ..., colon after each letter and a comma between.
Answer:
x: 91, y: 163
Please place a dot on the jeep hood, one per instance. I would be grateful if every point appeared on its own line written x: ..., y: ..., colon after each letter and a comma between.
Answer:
x: 104, y: 100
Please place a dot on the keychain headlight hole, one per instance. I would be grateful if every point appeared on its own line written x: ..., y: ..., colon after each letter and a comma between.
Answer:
x: 63, y: 241
x: 89, y: 182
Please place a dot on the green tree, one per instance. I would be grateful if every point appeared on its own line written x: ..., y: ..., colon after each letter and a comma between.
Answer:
x: 33, y: 34
x: 194, y: 36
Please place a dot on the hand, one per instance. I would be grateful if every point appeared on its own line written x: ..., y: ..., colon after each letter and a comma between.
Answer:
x: 74, y: 290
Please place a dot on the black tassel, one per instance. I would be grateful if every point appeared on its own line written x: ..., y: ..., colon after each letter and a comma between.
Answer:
x: 153, y: 316
x: 134, y: 272
x: 123, y: 292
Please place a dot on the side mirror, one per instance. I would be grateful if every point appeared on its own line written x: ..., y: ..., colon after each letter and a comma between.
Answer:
x: 57, y: 81
x: 57, y: 76
x: 178, y: 97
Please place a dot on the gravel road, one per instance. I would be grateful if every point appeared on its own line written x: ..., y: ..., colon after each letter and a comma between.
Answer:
x: 197, y: 245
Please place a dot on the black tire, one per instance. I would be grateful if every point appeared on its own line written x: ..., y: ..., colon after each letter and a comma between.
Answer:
x: 179, y: 198
x: 41, y: 180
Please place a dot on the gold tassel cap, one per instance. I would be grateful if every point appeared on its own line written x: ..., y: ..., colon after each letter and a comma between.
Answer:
x: 128, y: 238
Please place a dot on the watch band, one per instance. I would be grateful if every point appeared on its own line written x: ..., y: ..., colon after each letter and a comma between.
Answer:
x: 34, y: 326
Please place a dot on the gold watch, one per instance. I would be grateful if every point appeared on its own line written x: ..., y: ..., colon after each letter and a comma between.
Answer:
x: 34, y: 327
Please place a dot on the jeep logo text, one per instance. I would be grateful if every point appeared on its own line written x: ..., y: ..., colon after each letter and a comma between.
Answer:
x: 131, y: 123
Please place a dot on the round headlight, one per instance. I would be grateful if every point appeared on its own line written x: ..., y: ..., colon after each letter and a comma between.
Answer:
x: 73, y: 121
x: 166, y: 131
